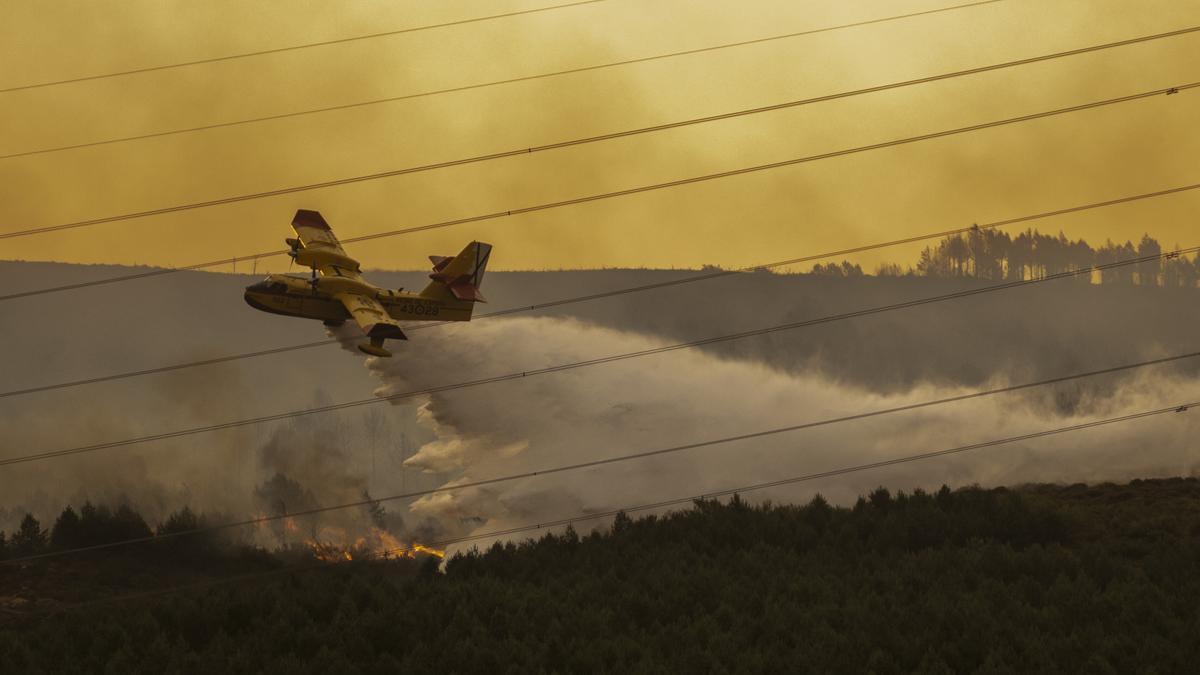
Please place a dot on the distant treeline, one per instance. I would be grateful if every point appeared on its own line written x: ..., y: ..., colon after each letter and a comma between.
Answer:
x: 100, y: 525
x: 1036, y: 579
x: 996, y: 255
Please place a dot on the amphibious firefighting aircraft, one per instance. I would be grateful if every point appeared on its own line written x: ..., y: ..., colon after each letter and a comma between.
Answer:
x: 340, y: 292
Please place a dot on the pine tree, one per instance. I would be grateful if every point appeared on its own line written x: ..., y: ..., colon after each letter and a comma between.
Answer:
x: 30, y: 538
x: 67, y: 532
x: 128, y: 524
x: 1148, y: 271
x: 621, y: 523
x: 183, y: 520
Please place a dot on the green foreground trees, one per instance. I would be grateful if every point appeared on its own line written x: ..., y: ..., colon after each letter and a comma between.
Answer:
x: 1038, y: 579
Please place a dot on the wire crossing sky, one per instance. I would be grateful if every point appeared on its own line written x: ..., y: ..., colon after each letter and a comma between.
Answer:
x: 691, y: 180
x: 962, y: 179
x: 480, y: 85
x: 596, y: 133
x: 1181, y: 407
x: 598, y: 361
x: 595, y: 139
x: 703, y: 276
x: 656, y: 453
x: 310, y: 45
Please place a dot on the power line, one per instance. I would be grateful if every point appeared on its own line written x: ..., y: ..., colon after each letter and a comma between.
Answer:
x: 616, y: 193
x: 651, y: 506
x: 623, y: 291
x: 591, y: 139
x: 584, y: 363
x: 309, y: 45
x: 621, y: 458
x: 164, y: 369
x: 494, y: 83
x: 1180, y: 407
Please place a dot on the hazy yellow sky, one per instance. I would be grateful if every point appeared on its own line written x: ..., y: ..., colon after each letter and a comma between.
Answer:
x: 1129, y: 148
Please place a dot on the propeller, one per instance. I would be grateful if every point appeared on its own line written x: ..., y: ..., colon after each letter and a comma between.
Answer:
x: 293, y: 251
x: 294, y: 247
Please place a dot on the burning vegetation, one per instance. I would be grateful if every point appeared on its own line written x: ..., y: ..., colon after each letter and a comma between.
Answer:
x: 378, y: 545
x: 366, y: 533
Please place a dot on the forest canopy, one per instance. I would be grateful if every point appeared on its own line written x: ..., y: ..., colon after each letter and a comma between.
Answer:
x: 1039, y: 578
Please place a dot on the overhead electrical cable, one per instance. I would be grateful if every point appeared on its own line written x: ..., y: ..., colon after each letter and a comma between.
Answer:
x: 831, y: 473
x: 582, y: 141
x: 482, y: 85
x: 652, y: 506
x: 623, y: 458
x: 619, y: 193
x: 21, y: 459
x: 292, y: 48
x: 703, y: 276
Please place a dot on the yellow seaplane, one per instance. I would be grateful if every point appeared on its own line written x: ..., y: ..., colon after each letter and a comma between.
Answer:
x: 336, y: 291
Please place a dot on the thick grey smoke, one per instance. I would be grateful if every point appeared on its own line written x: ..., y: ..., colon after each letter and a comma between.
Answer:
x: 557, y: 419
x: 231, y: 474
x: 687, y: 396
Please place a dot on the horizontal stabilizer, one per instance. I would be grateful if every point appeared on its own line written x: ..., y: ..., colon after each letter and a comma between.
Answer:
x: 457, y: 279
x: 467, y: 291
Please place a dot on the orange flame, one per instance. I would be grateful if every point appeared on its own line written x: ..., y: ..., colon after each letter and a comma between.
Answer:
x: 431, y: 551
x: 329, y: 552
x: 379, y: 543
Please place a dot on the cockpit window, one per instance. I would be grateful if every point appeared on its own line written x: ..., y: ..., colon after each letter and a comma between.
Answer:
x: 269, y: 285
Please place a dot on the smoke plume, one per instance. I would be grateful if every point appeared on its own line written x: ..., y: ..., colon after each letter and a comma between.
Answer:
x: 687, y: 396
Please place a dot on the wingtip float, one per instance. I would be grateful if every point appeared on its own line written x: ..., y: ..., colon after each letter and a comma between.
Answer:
x: 336, y: 290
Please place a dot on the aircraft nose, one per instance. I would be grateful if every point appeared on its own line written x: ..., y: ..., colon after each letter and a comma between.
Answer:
x: 251, y: 299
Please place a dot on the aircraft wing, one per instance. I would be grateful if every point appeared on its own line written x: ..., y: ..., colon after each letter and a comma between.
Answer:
x: 371, y: 316
x: 321, y: 247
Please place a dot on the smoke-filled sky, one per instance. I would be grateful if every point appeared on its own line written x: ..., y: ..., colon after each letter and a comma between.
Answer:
x: 1129, y: 148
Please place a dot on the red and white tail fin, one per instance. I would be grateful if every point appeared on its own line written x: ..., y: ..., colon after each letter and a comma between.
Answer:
x: 460, y: 275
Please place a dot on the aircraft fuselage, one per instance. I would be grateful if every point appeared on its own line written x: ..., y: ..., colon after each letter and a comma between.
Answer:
x: 295, y: 296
